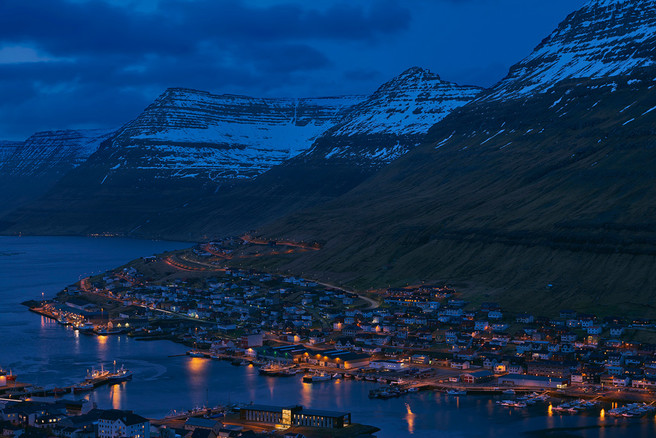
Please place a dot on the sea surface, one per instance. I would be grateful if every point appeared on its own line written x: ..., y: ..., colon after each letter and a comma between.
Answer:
x: 43, y: 352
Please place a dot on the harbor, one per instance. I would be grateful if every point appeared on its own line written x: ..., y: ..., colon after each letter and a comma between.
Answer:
x: 13, y: 389
x: 43, y: 352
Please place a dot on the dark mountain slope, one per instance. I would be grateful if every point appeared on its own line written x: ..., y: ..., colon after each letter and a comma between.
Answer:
x: 29, y: 168
x: 195, y: 166
x: 514, y: 200
x: 518, y: 190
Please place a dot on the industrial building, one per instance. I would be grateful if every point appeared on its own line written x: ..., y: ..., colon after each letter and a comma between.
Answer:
x: 294, y: 416
x: 533, y: 381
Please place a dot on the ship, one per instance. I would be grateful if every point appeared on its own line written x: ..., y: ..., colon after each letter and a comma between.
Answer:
x: 316, y: 377
x: 104, y: 331
x: 85, y: 327
x: 120, y: 375
x: 10, y: 377
x: 277, y: 370
x: 195, y: 353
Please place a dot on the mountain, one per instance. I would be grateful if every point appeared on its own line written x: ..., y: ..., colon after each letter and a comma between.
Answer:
x: 194, y: 134
x: 387, y: 124
x: 540, y: 194
x: 28, y: 169
x: 195, y: 165
x: 604, y: 38
x: 51, y: 152
x: 183, y: 149
x: 393, y: 120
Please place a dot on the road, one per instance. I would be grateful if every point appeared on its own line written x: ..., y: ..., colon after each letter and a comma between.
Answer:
x: 373, y: 304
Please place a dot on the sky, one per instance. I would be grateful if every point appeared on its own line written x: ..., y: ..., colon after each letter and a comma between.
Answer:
x: 74, y: 64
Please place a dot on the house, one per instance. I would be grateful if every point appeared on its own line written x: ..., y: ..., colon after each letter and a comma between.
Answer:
x: 494, y: 314
x: 477, y: 376
x: 481, y: 325
x: 350, y: 330
x: 616, y: 381
x: 387, y: 364
x: 194, y: 423
x: 594, y: 330
x: 616, y: 331
x: 114, y: 423
x: 525, y: 318
x: 459, y: 364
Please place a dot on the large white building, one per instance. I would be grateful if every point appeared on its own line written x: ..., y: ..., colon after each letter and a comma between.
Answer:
x: 114, y: 423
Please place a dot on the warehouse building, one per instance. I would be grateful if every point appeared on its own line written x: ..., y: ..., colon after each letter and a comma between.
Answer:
x: 533, y: 381
x: 295, y: 416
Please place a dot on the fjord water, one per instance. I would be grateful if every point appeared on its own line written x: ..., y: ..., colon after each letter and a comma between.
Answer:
x: 43, y: 352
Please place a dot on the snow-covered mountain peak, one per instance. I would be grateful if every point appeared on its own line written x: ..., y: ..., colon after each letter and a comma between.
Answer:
x: 394, y: 119
x: 408, y: 104
x: 604, y: 38
x: 192, y: 133
x: 52, y: 151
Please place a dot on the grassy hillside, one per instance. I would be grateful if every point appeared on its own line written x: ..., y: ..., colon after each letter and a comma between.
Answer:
x: 559, y: 189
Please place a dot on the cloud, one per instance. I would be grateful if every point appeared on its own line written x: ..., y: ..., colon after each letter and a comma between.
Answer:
x: 71, y: 63
x: 177, y: 27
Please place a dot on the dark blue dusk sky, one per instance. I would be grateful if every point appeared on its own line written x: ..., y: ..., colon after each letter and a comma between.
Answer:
x: 93, y: 63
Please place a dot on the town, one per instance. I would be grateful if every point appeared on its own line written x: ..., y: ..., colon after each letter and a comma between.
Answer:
x: 421, y: 337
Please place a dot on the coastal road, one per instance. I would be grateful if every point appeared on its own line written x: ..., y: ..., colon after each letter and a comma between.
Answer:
x: 373, y: 304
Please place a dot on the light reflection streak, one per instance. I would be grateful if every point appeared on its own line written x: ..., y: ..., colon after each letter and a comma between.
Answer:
x: 410, y: 418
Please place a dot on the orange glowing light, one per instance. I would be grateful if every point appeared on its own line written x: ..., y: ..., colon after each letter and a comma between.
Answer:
x: 410, y: 418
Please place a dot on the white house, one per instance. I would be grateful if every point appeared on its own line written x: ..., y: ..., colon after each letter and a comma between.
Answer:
x: 114, y: 423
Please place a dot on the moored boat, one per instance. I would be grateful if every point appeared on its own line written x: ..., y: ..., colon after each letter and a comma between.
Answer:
x: 195, y: 353
x: 277, y: 370
x: 316, y: 377
x: 120, y: 375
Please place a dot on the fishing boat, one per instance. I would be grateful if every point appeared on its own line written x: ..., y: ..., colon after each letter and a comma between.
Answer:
x: 276, y: 370
x: 195, y: 353
x: 105, y: 331
x: 316, y: 377
x: 97, y: 374
x: 512, y: 403
x: 85, y: 327
x: 121, y: 375
x: 456, y: 392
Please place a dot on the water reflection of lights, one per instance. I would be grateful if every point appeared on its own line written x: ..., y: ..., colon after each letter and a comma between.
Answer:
x: 410, y: 418
x: 102, y: 343
x: 306, y: 394
x: 196, y: 365
x: 115, y: 396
